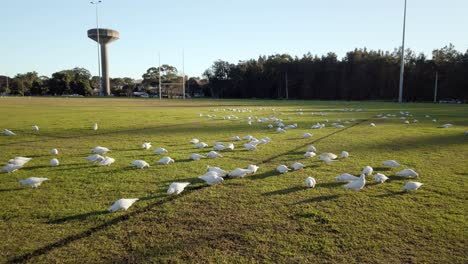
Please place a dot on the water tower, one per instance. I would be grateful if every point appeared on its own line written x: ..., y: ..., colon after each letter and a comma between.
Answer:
x: 104, y: 36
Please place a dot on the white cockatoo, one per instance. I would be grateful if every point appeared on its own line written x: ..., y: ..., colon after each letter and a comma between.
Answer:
x: 107, y: 161
x: 141, y: 164
x: 7, y: 132
x: 282, y: 169
x: 160, y: 151
x: 100, y: 150
x: 239, y: 172
x: 253, y: 168
x: 412, y: 186
x: 122, y: 204
x: 177, y: 187
x: 54, y: 162
x: 310, y: 182
x: 358, y: 184
x: 367, y: 170
x: 211, y: 178
x: 94, y: 158
x: 312, y: 149
x: 196, y: 156
x: 297, y: 166
x: 250, y: 146
x: 391, y: 163
x: 201, y: 145
x: 380, y: 178
x: 213, y: 154
x: 407, y: 173
x: 146, y: 145
x: 445, y: 126
x: 309, y: 154
x: 165, y: 160
x: 218, y: 170
x: 219, y: 147
x: 346, y: 177
x: 9, y: 168
x: 19, y: 161
x: 33, y: 181
x: 230, y: 146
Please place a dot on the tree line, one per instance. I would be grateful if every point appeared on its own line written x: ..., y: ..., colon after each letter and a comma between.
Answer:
x: 361, y: 75
x: 79, y: 81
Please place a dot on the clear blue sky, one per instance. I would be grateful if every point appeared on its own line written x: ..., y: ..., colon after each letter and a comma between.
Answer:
x: 50, y: 35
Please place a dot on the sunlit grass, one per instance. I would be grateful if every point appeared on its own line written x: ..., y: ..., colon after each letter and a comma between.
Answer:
x: 263, y: 217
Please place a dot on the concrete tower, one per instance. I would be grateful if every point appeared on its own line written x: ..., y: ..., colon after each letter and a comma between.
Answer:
x: 106, y: 36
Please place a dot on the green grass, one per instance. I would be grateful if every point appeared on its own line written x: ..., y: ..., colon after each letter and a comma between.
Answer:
x: 264, y: 217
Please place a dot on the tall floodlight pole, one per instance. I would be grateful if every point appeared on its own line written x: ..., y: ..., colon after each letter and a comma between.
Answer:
x: 435, y: 86
x: 183, y: 73
x: 96, y: 3
x: 159, y: 75
x: 402, y: 67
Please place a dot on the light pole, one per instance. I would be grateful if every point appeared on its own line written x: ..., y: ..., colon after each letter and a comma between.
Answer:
x: 402, y: 67
x: 96, y: 3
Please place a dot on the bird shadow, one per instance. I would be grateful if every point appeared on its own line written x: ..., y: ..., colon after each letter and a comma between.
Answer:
x: 130, y: 149
x: 66, y: 167
x: 11, y: 189
x: 330, y: 185
x: 191, y: 180
x: 318, y: 199
x: 263, y: 175
x: 398, y: 178
x: 184, y: 160
x: 115, y: 170
x: 296, y: 139
x: 36, y: 167
x: 284, y: 191
x: 391, y: 194
x: 382, y: 169
x: 78, y: 217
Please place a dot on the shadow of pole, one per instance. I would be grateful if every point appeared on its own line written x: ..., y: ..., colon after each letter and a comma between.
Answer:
x: 67, y: 240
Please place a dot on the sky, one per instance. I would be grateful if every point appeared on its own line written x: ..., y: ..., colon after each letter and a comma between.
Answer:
x: 50, y: 35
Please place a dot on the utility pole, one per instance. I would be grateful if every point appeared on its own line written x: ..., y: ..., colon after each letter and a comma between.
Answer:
x: 287, y: 88
x: 183, y: 73
x: 159, y: 75
x: 402, y: 67
x: 435, y: 86
x: 96, y: 3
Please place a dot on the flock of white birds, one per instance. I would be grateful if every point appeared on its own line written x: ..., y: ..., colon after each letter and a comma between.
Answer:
x: 216, y: 175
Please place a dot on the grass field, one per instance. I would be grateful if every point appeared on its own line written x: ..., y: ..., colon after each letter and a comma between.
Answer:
x: 265, y: 217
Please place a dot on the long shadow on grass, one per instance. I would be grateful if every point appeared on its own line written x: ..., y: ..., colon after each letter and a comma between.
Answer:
x: 391, y: 194
x: 132, y: 131
x: 317, y: 199
x: 331, y: 185
x: 67, y: 240
x: 264, y: 175
x: 312, y: 142
x: 11, y: 189
x: 78, y: 217
x: 284, y: 191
